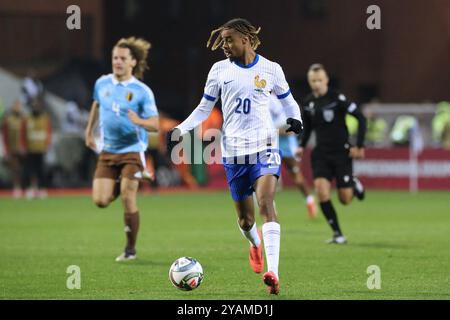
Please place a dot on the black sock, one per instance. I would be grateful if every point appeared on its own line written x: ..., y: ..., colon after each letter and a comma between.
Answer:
x: 331, y: 217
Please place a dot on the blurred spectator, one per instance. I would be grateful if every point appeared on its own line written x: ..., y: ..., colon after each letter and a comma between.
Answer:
x: 14, y: 145
x: 75, y: 120
x: 352, y: 126
x: 376, y: 128
x: 440, y: 122
x: 75, y: 161
x: 2, y: 108
x: 214, y: 121
x: 37, y: 131
x: 446, y: 135
x: 400, y: 133
x: 32, y: 88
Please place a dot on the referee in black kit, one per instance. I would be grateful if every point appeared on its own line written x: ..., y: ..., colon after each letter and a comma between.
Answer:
x: 324, y: 111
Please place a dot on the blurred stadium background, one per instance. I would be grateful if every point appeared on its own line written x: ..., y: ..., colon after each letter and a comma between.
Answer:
x: 400, y: 75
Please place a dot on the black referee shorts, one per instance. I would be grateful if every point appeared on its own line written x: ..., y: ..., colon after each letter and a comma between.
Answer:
x: 335, y: 164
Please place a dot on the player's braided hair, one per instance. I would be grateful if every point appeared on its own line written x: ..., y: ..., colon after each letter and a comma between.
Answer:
x: 241, y: 25
x: 139, y: 51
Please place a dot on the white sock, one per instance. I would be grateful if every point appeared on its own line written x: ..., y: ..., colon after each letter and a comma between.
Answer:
x: 310, y: 199
x: 271, y: 235
x: 252, y: 235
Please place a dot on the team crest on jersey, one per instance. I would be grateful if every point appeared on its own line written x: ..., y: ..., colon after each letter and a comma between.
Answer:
x: 129, y: 96
x: 260, y: 84
x: 328, y: 115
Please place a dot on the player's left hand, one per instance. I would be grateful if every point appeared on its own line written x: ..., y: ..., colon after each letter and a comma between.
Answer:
x: 357, y: 153
x: 133, y: 116
x: 295, y: 125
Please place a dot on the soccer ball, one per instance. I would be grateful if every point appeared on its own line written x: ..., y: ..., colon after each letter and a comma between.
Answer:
x: 186, y: 273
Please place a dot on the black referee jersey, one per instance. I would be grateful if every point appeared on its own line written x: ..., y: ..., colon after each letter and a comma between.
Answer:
x: 326, y: 115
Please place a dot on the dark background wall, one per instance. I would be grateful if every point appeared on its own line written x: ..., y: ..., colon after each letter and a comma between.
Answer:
x: 408, y: 60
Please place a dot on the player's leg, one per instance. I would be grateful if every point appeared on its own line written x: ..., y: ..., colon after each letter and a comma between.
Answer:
x: 323, y: 192
x: 247, y: 225
x: 105, y: 187
x: 358, y: 189
x: 265, y: 188
x: 128, y: 193
x: 129, y: 186
x: 348, y: 185
x: 288, y: 146
x: 246, y: 220
x: 345, y: 195
x: 296, y: 175
x: 241, y: 192
x: 323, y: 168
x: 103, y: 191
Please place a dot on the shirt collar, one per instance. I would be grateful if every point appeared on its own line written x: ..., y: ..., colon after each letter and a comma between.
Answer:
x: 251, y: 64
x: 124, y: 83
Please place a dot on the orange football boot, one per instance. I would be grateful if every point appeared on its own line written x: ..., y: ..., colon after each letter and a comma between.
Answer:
x: 271, y: 281
x: 312, y: 209
x: 255, y: 257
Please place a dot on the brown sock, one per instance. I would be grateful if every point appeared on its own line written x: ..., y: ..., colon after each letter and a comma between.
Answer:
x: 131, y: 230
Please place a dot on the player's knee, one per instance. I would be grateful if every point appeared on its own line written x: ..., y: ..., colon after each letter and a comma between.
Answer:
x: 323, y: 195
x: 265, y: 204
x: 246, y: 223
x: 345, y: 200
x: 299, y: 181
x: 101, y: 202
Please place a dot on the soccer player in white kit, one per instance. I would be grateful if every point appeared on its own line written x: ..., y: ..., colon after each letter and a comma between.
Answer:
x: 244, y: 81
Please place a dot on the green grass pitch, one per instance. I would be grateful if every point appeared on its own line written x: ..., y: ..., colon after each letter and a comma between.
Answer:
x: 407, y: 236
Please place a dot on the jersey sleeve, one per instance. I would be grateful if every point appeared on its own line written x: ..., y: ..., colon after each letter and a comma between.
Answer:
x: 283, y: 93
x: 280, y: 85
x: 211, y: 91
x: 345, y: 104
x: 351, y: 108
x: 149, y: 108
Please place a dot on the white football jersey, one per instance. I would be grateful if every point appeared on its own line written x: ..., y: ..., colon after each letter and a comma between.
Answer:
x: 245, y: 92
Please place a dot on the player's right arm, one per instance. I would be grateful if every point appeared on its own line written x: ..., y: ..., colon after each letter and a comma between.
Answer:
x: 350, y: 107
x: 201, y: 112
x: 291, y: 107
x: 92, y: 122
